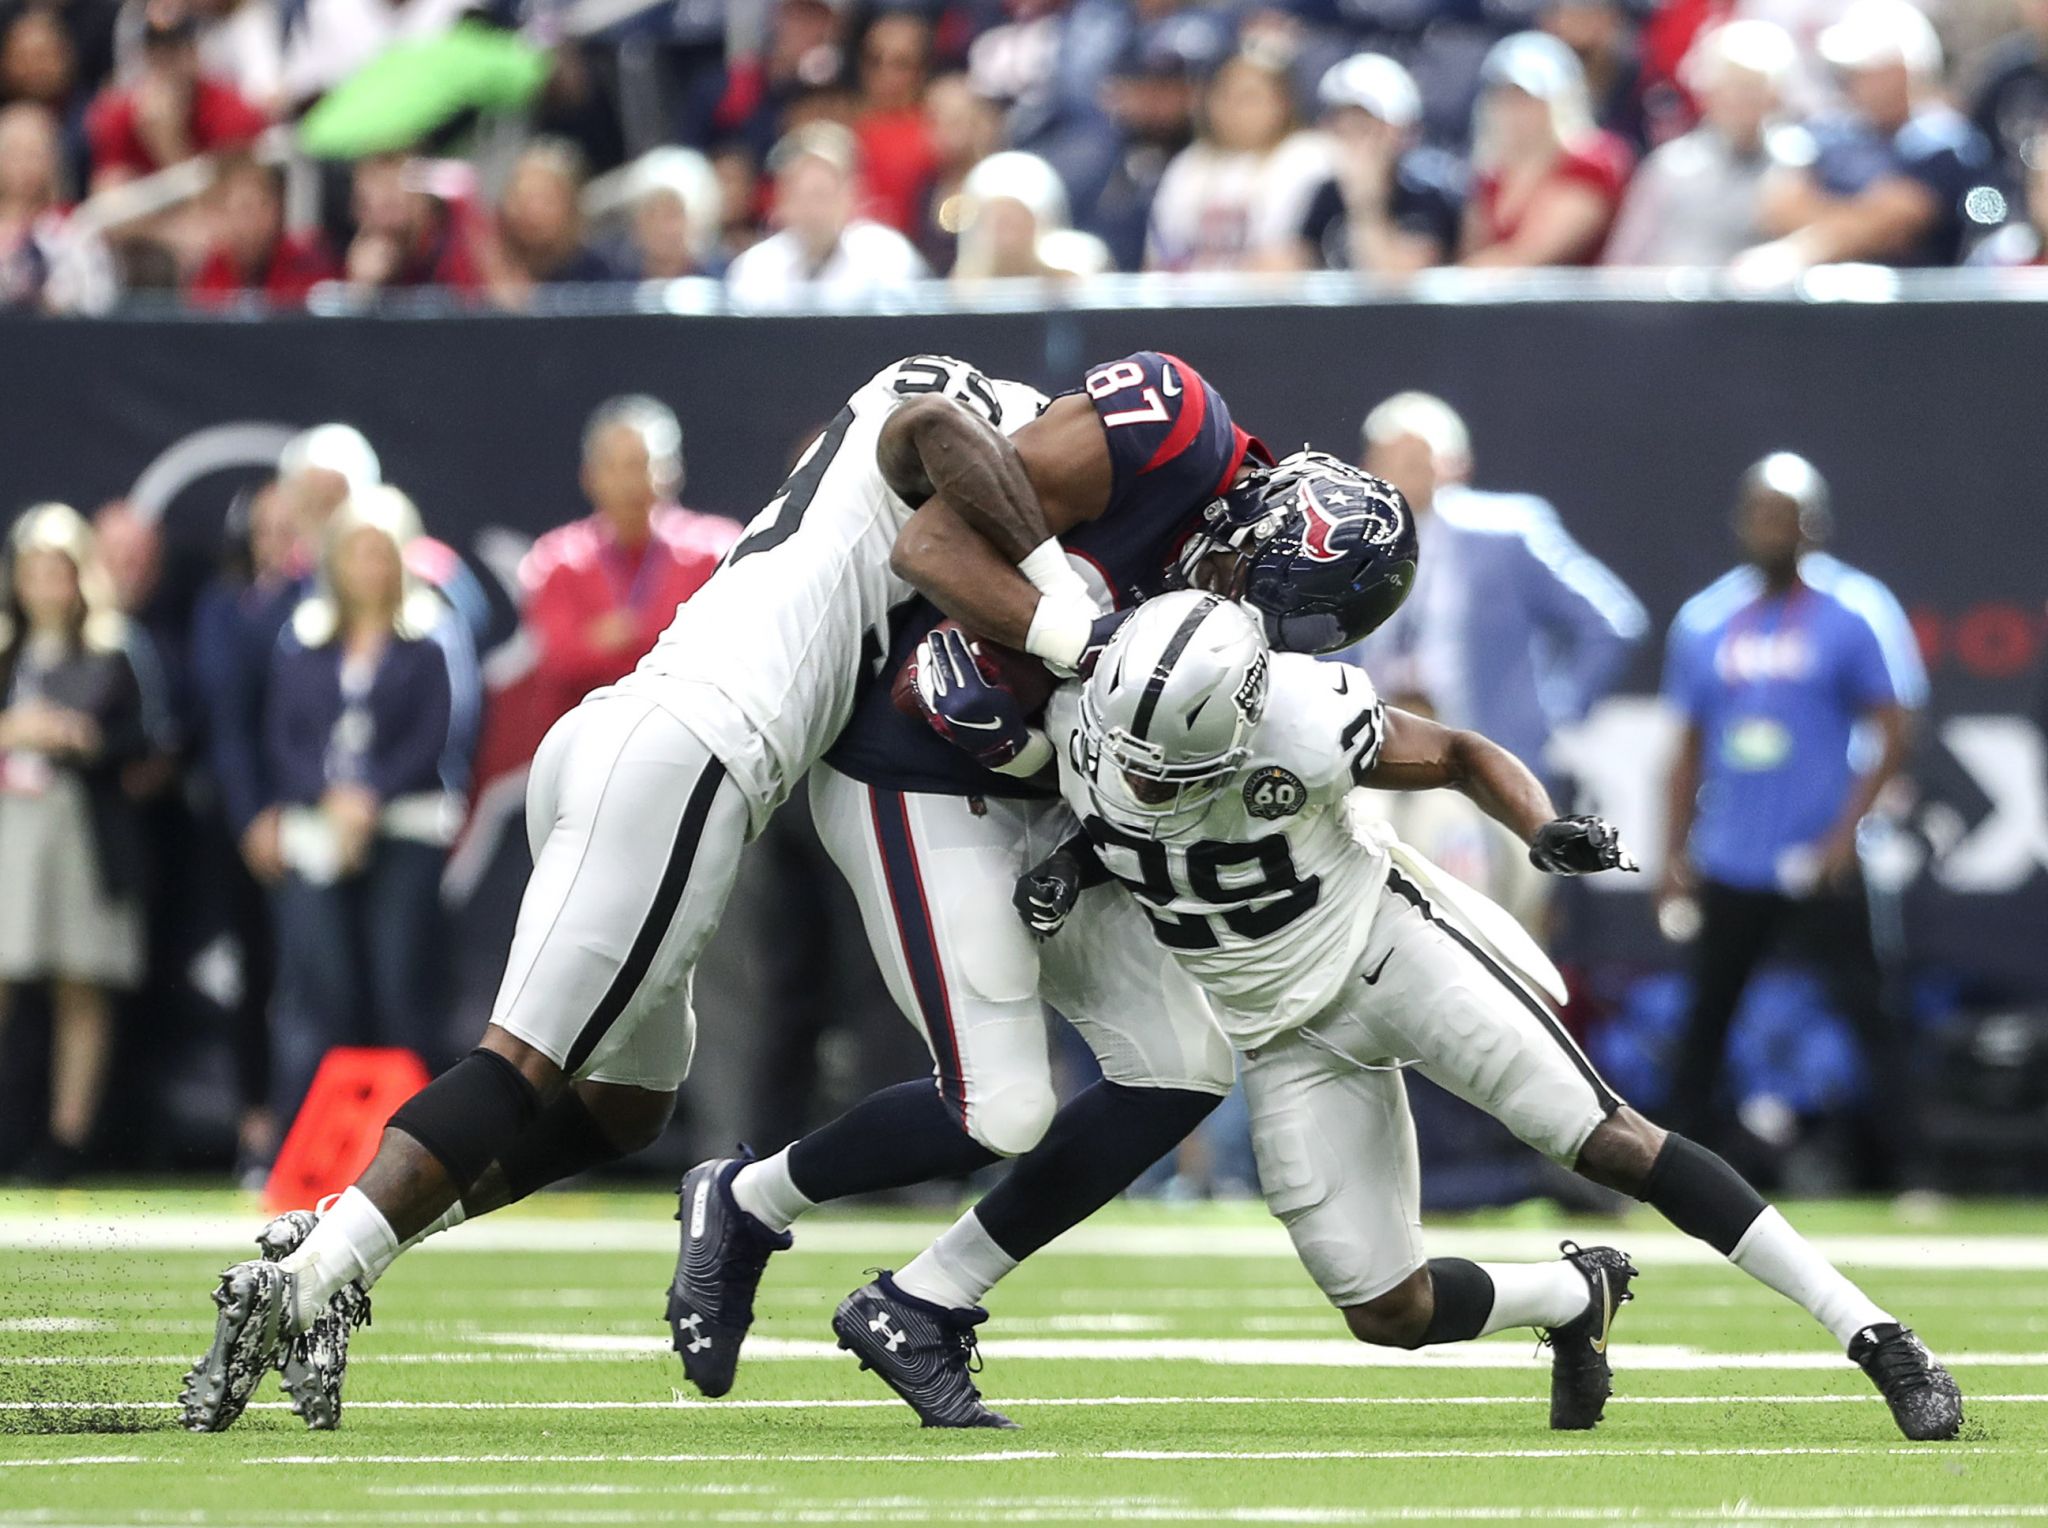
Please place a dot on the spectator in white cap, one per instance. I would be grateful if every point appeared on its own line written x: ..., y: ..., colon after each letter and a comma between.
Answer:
x: 1547, y: 181
x: 1391, y: 205
x: 821, y: 250
x: 1698, y: 200
x: 1014, y: 222
x: 1895, y: 179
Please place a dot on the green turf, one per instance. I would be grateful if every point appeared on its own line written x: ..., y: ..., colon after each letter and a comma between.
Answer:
x: 488, y: 1329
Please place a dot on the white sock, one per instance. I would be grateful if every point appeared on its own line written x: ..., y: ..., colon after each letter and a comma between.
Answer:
x: 764, y: 1191
x: 1772, y: 1253
x: 449, y: 1218
x: 352, y: 1241
x: 1534, y: 1294
x: 959, y: 1269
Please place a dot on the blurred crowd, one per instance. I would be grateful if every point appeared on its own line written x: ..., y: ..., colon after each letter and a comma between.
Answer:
x: 839, y: 149
x: 292, y: 739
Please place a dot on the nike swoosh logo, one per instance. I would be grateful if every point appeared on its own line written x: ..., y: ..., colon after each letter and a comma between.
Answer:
x: 1606, y: 1314
x: 1375, y: 976
x: 1169, y: 381
x: 978, y: 726
x: 1343, y: 682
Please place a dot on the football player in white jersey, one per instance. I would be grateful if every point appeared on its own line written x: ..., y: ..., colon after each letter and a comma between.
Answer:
x: 932, y: 480
x: 1211, y: 777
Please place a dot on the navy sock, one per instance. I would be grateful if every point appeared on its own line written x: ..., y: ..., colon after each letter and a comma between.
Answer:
x: 902, y: 1135
x: 1095, y: 1149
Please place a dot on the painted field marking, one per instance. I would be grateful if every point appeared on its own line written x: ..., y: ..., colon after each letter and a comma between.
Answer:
x: 1917, y: 1252
x: 1259, y: 1352
x: 1224, y: 1352
x: 975, y: 1512
x: 692, y: 1403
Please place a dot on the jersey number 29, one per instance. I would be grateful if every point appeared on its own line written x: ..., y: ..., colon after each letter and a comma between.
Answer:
x: 1221, y: 874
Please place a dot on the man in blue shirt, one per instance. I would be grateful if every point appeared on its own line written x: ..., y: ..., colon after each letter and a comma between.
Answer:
x: 1796, y: 678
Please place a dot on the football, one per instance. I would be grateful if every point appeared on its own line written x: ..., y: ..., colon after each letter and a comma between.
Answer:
x: 1019, y: 673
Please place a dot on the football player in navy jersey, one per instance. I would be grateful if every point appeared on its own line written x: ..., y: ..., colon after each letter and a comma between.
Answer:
x: 931, y: 818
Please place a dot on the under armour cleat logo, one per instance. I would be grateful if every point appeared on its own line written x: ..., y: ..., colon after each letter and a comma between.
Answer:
x: 882, y: 1327
x: 694, y: 1325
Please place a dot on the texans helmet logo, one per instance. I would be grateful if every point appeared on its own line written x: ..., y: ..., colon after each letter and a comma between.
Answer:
x: 1321, y: 525
x: 1326, y: 505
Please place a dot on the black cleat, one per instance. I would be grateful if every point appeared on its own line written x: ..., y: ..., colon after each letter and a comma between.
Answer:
x: 1580, y: 1378
x: 711, y: 1301
x: 924, y: 1352
x: 1921, y: 1393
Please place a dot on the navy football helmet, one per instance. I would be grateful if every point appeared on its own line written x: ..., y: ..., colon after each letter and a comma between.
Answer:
x: 1327, y: 552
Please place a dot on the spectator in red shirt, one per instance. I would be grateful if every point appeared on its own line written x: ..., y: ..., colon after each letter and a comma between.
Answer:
x: 1547, y: 182
x: 254, y: 252
x: 171, y: 113
x: 600, y: 590
x: 896, y: 152
x: 405, y: 235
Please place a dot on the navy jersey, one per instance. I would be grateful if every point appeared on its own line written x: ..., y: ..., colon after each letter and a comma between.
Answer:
x: 1173, y: 450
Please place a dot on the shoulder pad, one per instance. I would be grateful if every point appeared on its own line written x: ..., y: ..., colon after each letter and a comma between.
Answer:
x: 1324, y: 722
x: 1170, y: 433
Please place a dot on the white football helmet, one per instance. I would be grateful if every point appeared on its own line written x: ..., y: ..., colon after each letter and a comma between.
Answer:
x: 1167, y: 716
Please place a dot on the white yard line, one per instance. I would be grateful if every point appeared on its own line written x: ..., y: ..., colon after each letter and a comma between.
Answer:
x: 1260, y: 1352
x: 1226, y: 1352
x: 1936, y: 1455
x: 691, y: 1403
x: 909, y: 1510
x: 1916, y: 1252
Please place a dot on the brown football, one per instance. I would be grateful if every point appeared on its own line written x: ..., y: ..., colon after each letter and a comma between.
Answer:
x: 1019, y: 673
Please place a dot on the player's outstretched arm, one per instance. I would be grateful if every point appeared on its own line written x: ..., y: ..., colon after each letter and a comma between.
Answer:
x: 1419, y: 754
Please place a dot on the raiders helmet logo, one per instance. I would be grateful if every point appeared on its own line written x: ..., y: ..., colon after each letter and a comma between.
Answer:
x: 1273, y: 792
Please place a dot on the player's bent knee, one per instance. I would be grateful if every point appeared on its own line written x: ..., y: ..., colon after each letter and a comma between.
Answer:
x: 1621, y: 1151
x: 632, y: 1118
x: 1010, y: 1121
x: 470, y: 1114
x: 1397, y: 1319
x: 541, y: 1070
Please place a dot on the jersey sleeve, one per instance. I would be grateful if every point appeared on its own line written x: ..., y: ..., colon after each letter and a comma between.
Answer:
x: 1171, y: 437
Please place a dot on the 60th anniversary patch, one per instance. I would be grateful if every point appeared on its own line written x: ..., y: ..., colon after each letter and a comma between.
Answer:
x: 1274, y: 792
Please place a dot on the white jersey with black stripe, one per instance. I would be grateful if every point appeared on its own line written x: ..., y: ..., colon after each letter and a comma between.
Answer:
x: 1267, y: 897
x: 765, y: 660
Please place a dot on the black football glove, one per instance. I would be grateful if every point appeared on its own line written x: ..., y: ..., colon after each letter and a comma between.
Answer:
x: 1579, y: 846
x: 1046, y: 893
